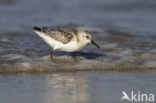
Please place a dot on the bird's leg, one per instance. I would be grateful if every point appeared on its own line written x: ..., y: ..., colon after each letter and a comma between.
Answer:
x: 52, y: 54
x: 74, y: 56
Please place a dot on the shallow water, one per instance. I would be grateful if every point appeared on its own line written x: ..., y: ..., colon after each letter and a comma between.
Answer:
x: 124, y: 29
x: 78, y: 87
x: 27, y: 53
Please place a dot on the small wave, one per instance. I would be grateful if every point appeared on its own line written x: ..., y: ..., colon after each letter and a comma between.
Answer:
x: 27, y: 53
x: 67, y: 64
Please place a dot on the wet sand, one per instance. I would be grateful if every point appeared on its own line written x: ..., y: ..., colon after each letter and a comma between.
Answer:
x: 125, y: 30
x: 76, y: 87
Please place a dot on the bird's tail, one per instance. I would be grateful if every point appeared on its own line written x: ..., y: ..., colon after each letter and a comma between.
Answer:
x: 39, y: 32
x: 36, y: 29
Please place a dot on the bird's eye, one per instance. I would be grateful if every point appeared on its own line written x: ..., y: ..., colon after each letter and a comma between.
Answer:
x: 87, y: 36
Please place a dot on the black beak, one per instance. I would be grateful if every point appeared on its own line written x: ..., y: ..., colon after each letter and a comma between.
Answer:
x: 95, y: 44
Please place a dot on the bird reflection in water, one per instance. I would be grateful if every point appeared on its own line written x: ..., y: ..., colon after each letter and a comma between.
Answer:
x: 68, y: 88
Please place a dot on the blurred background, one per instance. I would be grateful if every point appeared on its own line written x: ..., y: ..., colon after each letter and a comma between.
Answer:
x: 135, y: 16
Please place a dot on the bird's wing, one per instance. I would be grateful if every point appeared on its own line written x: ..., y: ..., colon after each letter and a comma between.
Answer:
x: 63, y: 35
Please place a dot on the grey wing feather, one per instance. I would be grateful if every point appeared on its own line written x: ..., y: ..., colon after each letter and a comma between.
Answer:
x: 63, y: 35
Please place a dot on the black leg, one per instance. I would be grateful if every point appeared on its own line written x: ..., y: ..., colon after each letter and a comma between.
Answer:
x: 74, y: 56
x: 52, y: 54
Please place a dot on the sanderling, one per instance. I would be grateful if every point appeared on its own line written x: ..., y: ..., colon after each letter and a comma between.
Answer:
x: 65, y: 39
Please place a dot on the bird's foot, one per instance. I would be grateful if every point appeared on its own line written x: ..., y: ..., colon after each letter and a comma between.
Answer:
x: 74, y: 57
x: 52, y: 55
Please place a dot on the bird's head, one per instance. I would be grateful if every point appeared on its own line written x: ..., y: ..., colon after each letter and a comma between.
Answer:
x: 87, y: 38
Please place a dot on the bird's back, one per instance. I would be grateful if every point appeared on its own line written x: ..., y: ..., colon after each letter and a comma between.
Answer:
x: 64, y: 35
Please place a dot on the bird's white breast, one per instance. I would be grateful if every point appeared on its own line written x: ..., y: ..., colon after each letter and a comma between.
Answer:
x: 72, y: 46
